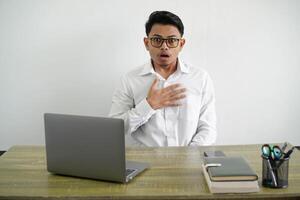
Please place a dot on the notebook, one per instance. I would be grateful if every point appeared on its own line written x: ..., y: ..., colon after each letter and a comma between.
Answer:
x: 230, y: 186
x: 88, y: 147
x: 230, y: 169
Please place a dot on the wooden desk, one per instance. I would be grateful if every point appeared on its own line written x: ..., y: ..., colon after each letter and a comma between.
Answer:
x: 175, y: 174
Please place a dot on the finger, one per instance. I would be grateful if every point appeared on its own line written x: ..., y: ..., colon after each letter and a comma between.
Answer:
x: 174, y: 101
x: 177, y: 92
x: 171, y: 92
x: 171, y: 87
x: 177, y: 97
x: 174, y: 92
x: 172, y: 104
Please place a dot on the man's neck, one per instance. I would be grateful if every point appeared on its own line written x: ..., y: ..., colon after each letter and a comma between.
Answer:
x: 165, y: 71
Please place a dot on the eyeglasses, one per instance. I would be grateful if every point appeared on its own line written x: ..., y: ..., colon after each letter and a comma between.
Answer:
x: 157, y: 42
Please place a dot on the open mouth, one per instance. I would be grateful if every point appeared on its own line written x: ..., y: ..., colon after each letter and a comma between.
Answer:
x: 164, y: 55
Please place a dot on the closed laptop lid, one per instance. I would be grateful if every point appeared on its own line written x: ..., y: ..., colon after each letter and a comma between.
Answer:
x: 91, y: 147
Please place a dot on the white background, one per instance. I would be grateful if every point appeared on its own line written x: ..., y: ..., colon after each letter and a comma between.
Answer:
x: 67, y: 56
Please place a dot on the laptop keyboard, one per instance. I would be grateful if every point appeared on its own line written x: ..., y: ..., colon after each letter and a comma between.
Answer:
x: 130, y: 171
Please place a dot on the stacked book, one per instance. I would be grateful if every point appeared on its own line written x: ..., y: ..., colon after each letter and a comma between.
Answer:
x: 229, y: 175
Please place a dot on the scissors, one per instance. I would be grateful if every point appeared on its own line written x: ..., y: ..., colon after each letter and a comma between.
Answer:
x: 271, y: 152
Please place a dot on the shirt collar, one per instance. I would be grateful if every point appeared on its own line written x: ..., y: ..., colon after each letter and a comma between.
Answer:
x: 148, y: 68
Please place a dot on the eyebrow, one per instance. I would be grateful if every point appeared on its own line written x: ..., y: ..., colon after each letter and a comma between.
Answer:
x: 170, y: 36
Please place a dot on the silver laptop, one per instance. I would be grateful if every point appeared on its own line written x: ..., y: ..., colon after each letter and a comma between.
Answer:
x: 89, y: 147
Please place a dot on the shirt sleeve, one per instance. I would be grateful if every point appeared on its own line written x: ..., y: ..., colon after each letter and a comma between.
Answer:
x: 206, y: 133
x: 124, y: 107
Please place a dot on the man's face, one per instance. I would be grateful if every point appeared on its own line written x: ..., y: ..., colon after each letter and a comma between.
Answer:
x: 167, y: 53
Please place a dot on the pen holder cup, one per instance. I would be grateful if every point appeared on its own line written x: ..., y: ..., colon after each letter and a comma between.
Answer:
x: 275, y: 173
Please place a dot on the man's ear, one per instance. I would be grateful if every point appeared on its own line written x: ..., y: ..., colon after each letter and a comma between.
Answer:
x: 182, y: 42
x: 146, y: 43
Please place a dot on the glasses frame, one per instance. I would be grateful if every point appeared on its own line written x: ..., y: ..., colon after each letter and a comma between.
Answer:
x: 164, y: 40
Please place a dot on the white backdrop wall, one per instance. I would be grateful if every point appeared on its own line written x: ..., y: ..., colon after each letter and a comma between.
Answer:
x: 67, y: 56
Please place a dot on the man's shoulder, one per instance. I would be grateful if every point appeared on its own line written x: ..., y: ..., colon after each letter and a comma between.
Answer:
x: 137, y: 71
x: 196, y: 70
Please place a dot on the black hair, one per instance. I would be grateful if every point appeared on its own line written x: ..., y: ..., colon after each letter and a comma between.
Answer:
x: 165, y: 18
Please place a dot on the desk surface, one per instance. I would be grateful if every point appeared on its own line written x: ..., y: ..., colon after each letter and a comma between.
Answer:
x: 175, y: 173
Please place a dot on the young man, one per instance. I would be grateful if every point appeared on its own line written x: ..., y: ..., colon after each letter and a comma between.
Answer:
x: 166, y: 102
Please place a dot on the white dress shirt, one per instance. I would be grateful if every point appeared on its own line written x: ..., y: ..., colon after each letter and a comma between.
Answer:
x: 192, y: 123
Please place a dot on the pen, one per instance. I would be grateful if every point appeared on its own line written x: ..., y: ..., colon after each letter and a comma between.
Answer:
x: 289, y: 152
x: 284, y: 147
x: 287, y: 155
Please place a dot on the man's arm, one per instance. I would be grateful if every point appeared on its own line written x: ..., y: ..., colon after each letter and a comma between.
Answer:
x: 206, y: 133
x: 123, y: 106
